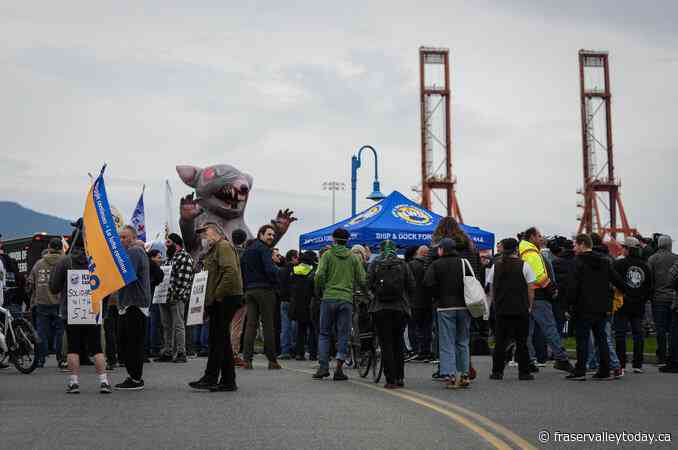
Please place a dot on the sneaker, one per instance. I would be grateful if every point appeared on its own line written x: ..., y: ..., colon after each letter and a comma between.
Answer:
x: 576, y: 377
x: 638, y: 370
x: 512, y: 363
x: 164, y: 358
x: 540, y: 364
x: 525, y: 377
x: 203, y: 354
x: 533, y: 368
x: 285, y: 357
x: 203, y: 384
x: 181, y: 358
x: 602, y: 377
x: 464, y: 381
x: 339, y: 375
x: 618, y: 373
x: 63, y: 365
x: 130, y: 385
x: 565, y: 366
x: 73, y: 388
x: 273, y: 365
x: 321, y: 373
x: 105, y: 388
x: 224, y: 387
x: 450, y: 383
x: 669, y: 369
x: 496, y: 376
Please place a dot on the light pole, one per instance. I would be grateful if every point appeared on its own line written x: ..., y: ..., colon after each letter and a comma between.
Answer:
x: 376, y: 194
x: 334, y: 186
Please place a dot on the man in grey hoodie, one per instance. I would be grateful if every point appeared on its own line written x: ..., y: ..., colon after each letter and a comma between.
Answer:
x: 134, y: 301
x: 660, y: 263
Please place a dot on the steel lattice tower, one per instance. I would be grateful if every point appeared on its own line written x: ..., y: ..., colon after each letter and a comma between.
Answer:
x: 598, y: 150
x: 436, y: 140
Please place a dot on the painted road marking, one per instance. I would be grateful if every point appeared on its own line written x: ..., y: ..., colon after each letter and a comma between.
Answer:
x: 454, y: 412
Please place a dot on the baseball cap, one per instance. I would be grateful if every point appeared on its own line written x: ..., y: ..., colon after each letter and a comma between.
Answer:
x: 631, y: 242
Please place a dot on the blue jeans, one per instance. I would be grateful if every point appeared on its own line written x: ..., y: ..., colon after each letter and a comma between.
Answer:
x: 200, y: 337
x: 154, y: 333
x: 50, y: 324
x: 334, y: 312
x: 594, y: 353
x: 454, y: 328
x: 542, y: 315
x: 661, y: 313
x: 288, y: 330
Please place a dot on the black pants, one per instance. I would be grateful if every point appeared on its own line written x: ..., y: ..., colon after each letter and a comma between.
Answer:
x: 422, y: 318
x: 621, y: 321
x: 509, y: 328
x: 306, y: 333
x: 132, y: 326
x: 390, y: 327
x: 584, y: 327
x: 220, y: 351
x: 112, y: 335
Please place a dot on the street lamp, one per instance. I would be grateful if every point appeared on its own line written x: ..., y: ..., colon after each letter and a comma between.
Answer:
x: 376, y: 194
x: 334, y: 186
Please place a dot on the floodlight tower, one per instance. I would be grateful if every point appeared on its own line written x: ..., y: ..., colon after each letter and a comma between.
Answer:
x: 598, y: 154
x: 436, y: 135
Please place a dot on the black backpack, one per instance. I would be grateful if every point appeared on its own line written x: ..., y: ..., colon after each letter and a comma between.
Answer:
x: 389, y: 280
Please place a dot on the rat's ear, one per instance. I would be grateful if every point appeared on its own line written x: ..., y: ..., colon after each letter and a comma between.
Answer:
x: 188, y: 174
x: 250, y: 180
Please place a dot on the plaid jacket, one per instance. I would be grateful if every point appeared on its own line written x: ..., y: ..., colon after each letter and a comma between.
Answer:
x: 181, y: 277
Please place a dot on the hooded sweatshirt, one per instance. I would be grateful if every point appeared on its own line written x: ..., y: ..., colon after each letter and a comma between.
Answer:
x: 589, y: 293
x: 58, y: 281
x: 301, y: 292
x: 38, y: 280
x: 638, y: 279
x: 337, y: 271
x: 660, y: 263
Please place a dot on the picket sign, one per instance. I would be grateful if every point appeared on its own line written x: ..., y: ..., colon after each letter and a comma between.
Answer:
x: 196, y: 305
x: 161, y: 290
x: 79, y: 299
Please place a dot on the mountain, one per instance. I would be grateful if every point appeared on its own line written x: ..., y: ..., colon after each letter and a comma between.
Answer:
x: 17, y: 221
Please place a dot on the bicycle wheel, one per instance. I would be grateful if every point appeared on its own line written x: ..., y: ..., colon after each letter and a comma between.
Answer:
x: 377, y: 363
x: 25, y: 357
x: 365, y: 362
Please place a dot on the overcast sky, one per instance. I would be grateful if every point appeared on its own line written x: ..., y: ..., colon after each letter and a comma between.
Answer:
x: 287, y: 91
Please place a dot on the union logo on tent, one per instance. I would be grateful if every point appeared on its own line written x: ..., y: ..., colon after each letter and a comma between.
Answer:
x: 412, y: 214
x: 360, y: 218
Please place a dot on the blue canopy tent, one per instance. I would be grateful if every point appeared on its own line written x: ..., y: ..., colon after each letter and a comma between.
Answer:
x: 396, y: 218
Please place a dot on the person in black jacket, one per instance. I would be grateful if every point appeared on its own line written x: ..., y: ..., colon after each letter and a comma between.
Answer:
x: 422, y: 307
x: 261, y: 280
x: 638, y: 279
x: 590, y: 301
x: 513, y: 293
x: 392, y: 285
x: 563, y: 265
x: 445, y: 279
x: 152, y: 325
x: 288, y: 326
x: 302, y: 295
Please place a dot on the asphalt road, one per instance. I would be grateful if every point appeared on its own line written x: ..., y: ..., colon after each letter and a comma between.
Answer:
x: 288, y: 410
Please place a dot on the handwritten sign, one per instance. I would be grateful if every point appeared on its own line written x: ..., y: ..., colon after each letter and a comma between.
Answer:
x: 196, y: 305
x: 79, y: 299
x: 161, y: 290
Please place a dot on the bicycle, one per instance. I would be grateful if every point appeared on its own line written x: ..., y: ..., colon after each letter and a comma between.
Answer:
x: 18, y: 342
x: 364, y: 349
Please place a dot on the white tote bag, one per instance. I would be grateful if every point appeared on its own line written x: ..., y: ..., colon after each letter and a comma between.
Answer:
x: 474, y: 294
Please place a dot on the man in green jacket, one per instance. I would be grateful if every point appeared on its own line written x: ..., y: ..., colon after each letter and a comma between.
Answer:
x: 223, y: 297
x: 338, y: 271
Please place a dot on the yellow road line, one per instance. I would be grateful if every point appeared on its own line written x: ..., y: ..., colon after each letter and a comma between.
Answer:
x: 483, y: 433
x: 513, y: 437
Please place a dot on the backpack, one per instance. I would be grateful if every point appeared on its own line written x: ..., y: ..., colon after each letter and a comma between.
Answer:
x: 389, y: 280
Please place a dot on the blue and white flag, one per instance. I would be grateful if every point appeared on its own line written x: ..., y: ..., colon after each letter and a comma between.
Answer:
x: 139, y: 217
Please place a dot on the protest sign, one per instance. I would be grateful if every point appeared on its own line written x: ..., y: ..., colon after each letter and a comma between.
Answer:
x: 79, y: 299
x: 196, y: 306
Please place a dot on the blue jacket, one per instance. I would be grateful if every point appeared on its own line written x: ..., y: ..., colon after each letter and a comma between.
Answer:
x: 257, y: 267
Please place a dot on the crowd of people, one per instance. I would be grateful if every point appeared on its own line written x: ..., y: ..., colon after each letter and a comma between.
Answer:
x: 308, y: 305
